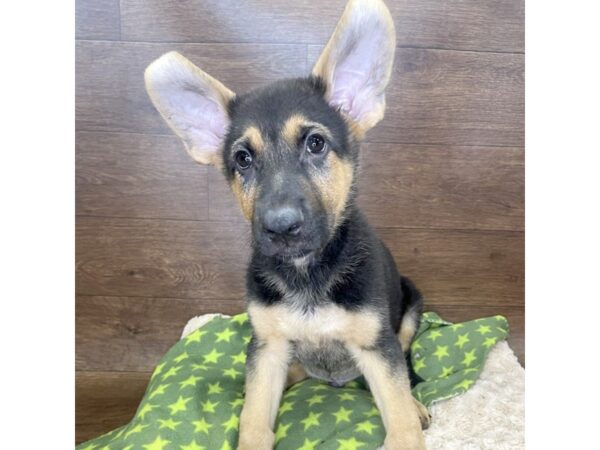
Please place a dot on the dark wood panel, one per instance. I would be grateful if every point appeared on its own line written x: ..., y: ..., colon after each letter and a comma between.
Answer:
x: 461, y: 267
x: 110, y: 93
x: 106, y: 400
x: 133, y: 333
x: 135, y: 175
x: 436, y: 97
x: 459, y: 24
x: 420, y: 186
x: 97, y: 19
x: 160, y: 258
x: 452, y: 98
x: 462, y: 313
x: 181, y: 259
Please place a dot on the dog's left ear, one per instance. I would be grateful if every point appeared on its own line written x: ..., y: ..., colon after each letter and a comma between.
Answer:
x: 357, y: 62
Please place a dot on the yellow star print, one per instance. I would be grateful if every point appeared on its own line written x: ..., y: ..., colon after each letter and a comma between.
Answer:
x: 346, y: 396
x: 282, y: 431
x: 146, y: 409
x: 309, y: 445
x: 285, y: 407
x: 462, y: 340
x: 311, y: 420
x: 196, y: 336
x: 209, y: 406
x: 226, y: 446
x: 446, y: 371
x: 441, y: 351
x: 464, y: 384
x: 433, y: 335
x: 201, y: 425
x: 240, y: 318
x: 469, y: 358
x: 191, y: 381
x: 158, y: 369
x: 237, y: 402
x: 489, y: 342
x: 136, y: 429
x: 315, y: 399
x: 319, y: 387
x: 231, y: 372
x: 225, y: 335
x: 215, y: 388
x: 192, y: 446
x: 366, y: 427
x: 159, y: 390
x: 179, y: 405
x: 232, y: 424
x: 349, y: 444
x: 157, y: 444
x: 419, y: 364
x: 484, y: 329
x: 181, y: 357
x: 342, y: 415
x: 213, y: 356
x: 171, y: 372
x: 372, y: 412
x: 240, y: 358
x: 168, y: 423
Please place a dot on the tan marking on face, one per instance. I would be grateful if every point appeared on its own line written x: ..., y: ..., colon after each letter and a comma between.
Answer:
x: 265, y: 381
x: 292, y: 127
x: 334, y: 185
x: 394, y: 400
x: 325, y: 322
x: 246, y: 195
x: 255, y: 139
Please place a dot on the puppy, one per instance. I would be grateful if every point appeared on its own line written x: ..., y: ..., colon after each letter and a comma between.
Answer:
x: 324, y: 296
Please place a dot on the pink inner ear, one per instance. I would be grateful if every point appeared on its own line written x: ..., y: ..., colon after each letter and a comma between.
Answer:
x: 357, y: 78
x: 202, y: 119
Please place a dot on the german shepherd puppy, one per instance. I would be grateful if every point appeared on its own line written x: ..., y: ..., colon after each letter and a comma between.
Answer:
x: 324, y: 296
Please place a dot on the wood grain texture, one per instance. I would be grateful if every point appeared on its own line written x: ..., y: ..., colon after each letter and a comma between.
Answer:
x: 135, y: 175
x: 461, y: 267
x: 181, y: 259
x: 97, y: 19
x: 422, y: 186
x: 452, y: 98
x: 110, y: 93
x: 132, y: 334
x: 160, y: 258
x: 489, y: 25
x: 435, y: 97
x: 106, y: 400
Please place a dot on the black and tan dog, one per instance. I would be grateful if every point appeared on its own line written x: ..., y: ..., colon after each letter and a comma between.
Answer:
x: 324, y: 296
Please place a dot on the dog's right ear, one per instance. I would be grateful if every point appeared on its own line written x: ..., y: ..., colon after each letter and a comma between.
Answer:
x: 192, y: 102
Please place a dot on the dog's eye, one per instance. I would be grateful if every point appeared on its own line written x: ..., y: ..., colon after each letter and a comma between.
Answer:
x: 315, y: 144
x: 243, y: 159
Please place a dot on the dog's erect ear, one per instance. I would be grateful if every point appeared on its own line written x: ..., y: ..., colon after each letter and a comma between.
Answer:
x: 357, y: 62
x: 192, y: 102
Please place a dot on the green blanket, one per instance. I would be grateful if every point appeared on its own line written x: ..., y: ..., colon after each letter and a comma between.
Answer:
x: 195, y: 395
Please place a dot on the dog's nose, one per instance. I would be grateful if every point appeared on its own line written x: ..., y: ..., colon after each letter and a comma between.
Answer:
x: 284, y: 221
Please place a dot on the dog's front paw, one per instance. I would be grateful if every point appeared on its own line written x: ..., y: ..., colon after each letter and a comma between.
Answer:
x: 404, y: 441
x: 424, y: 415
x: 256, y: 439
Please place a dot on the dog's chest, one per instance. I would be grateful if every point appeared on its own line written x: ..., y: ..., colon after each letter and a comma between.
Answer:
x: 321, y: 337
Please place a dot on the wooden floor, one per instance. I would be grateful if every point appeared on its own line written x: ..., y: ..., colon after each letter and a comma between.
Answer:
x: 442, y: 176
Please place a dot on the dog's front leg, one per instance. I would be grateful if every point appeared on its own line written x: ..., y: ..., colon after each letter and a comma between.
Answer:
x: 384, y: 368
x: 266, y: 371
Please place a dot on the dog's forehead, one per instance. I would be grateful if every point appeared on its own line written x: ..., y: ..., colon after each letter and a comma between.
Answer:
x: 281, y: 109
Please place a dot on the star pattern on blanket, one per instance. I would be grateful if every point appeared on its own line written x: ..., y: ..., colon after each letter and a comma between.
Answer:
x: 195, y: 395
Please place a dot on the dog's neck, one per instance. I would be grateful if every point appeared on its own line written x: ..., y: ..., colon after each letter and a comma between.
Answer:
x: 316, y: 275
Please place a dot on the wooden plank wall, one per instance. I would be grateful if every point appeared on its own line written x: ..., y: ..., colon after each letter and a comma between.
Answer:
x: 160, y: 239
